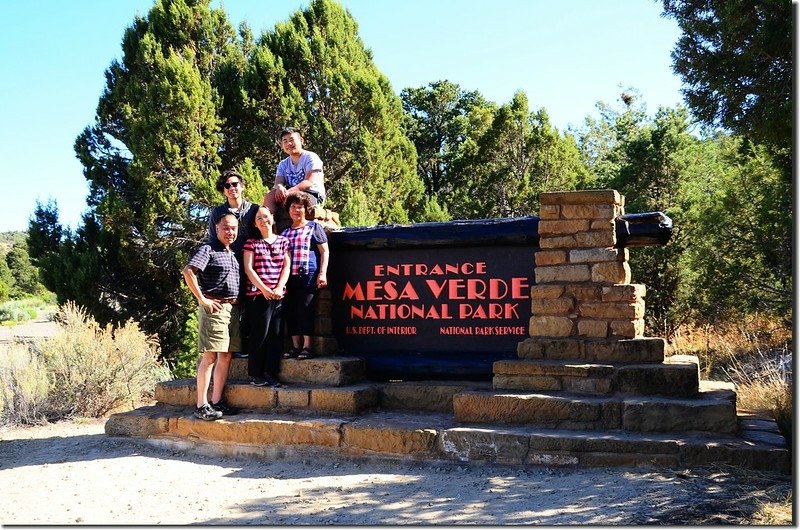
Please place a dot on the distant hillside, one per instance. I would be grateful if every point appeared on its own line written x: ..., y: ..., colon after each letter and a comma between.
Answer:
x: 7, y: 240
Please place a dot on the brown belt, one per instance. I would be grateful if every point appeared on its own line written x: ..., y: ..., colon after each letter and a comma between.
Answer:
x: 232, y: 301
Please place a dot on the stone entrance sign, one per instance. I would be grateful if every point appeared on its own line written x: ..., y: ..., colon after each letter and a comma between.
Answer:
x: 447, y: 300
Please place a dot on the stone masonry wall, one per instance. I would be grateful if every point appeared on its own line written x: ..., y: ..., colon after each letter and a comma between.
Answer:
x: 583, y: 284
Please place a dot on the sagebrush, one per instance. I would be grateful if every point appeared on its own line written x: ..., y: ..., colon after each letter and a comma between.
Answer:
x: 86, y: 370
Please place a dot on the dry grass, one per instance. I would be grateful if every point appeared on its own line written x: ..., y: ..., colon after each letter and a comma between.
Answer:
x: 775, y: 513
x: 84, y: 370
x: 754, y: 354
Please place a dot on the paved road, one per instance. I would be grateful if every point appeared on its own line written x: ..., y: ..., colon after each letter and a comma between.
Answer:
x: 27, y: 331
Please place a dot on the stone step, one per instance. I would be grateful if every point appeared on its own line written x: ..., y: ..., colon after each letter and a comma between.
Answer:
x: 330, y: 371
x: 351, y: 399
x: 431, y: 396
x: 436, y: 437
x: 715, y: 412
x: 640, y: 350
x: 676, y: 376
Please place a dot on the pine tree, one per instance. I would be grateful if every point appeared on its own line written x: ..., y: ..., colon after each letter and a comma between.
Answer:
x: 150, y: 158
x: 345, y: 107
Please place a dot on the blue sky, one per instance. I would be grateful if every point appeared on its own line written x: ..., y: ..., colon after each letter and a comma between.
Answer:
x: 566, y: 56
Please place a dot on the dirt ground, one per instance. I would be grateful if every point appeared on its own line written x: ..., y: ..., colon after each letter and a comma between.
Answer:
x: 73, y: 473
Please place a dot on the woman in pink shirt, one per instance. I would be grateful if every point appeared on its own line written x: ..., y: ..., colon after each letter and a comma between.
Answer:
x: 267, y: 265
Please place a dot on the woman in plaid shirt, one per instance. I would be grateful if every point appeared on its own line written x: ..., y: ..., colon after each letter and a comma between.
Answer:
x: 266, y: 264
x: 308, y: 245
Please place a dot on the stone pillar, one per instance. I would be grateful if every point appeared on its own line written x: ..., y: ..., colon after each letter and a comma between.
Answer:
x: 583, y: 287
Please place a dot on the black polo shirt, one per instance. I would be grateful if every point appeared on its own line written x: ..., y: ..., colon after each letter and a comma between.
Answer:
x: 218, y: 270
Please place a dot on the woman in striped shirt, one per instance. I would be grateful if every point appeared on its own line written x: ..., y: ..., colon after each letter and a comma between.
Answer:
x: 267, y: 264
x: 308, y: 245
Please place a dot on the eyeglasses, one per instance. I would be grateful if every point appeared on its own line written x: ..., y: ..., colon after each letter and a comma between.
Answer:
x: 229, y: 185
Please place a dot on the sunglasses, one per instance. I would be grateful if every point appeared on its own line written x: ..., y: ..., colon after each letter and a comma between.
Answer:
x: 229, y: 185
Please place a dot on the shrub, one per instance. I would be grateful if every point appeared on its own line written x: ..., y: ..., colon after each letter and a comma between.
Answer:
x: 23, y: 310
x: 84, y: 370
x: 23, y: 386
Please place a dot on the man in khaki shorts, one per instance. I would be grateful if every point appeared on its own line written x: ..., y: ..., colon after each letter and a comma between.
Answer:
x: 212, y: 274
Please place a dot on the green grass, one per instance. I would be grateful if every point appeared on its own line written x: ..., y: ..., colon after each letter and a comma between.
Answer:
x: 16, y: 311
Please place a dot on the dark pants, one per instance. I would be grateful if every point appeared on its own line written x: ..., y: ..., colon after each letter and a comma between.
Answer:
x: 265, y: 341
x: 301, y: 293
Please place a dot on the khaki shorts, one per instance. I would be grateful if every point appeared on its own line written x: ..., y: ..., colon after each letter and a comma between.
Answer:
x: 219, y: 332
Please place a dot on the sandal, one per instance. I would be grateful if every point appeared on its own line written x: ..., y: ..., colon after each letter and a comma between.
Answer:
x: 304, y: 354
x: 293, y: 353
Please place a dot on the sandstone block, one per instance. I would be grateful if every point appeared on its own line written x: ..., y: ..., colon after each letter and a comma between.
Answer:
x: 143, y: 422
x: 250, y: 397
x: 551, y: 368
x: 260, y: 431
x: 562, y: 227
x: 592, y: 328
x: 324, y: 307
x: 557, y: 242
x: 546, y: 348
x: 177, y: 392
x: 630, y: 293
x: 672, y: 415
x: 323, y: 325
x: 293, y: 398
x: 587, y: 385
x: 394, y: 438
x: 434, y: 396
x: 562, y: 273
x: 550, y: 211
x: 584, y: 292
x: 605, y: 196
x: 539, y: 292
x: 524, y: 408
x: 596, y: 239
x: 324, y: 345
x: 611, y: 310
x: 550, y: 257
x: 628, y: 460
x: 334, y: 371
x: 552, y: 306
x: 238, y: 370
x: 556, y: 459
x: 550, y: 326
x: 611, y: 272
x: 594, y: 255
x: 718, y: 389
x: 611, y: 414
x: 472, y: 444
x: 588, y: 211
x: 645, y: 350
x: 602, y: 224
x: 352, y: 399
x: 666, y: 379
x: 628, y: 329
x: 760, y: 458
x: 526, y: 382
x: 620, y: 443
